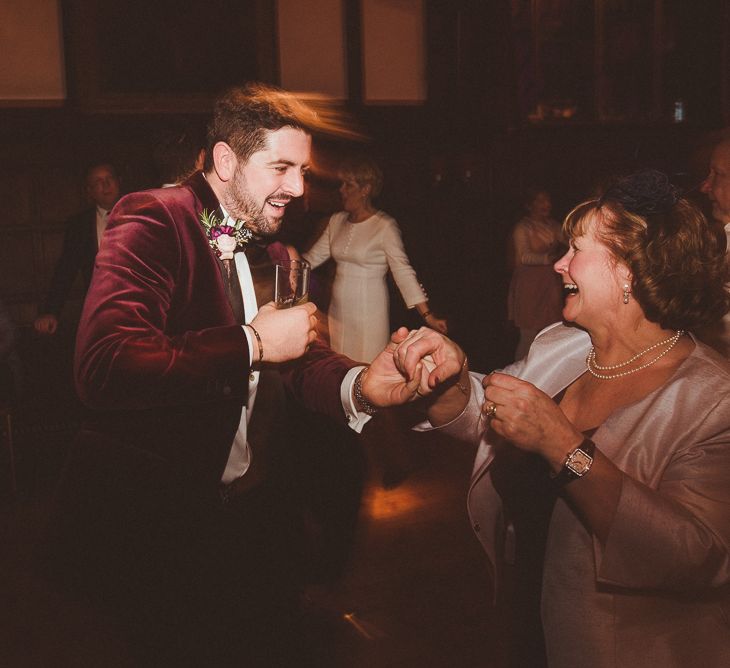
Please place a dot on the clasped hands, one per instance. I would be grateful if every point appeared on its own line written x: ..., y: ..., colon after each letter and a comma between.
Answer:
x: 424, y: 363
x: 415, y: 364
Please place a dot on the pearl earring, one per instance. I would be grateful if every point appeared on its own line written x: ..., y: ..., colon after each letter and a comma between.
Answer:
x: 626, y: 294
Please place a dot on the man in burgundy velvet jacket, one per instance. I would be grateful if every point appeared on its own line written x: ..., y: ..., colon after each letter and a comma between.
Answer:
x: 160, y: 513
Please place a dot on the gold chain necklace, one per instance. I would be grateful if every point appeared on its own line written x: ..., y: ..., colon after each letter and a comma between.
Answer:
x: 593, y: 365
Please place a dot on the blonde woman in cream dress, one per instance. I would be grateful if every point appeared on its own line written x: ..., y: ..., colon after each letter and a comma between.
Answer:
x: 365, y: 243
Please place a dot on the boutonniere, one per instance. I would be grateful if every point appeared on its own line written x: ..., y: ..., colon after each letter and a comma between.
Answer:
x: 224, y: 237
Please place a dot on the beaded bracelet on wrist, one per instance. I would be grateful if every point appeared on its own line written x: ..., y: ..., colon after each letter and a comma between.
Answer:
x: 366, y: 406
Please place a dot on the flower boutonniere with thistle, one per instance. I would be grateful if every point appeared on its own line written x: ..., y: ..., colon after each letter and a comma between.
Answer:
x: 226, y: 236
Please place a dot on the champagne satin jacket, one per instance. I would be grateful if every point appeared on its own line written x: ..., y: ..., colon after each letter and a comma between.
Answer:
x: 658, y: 593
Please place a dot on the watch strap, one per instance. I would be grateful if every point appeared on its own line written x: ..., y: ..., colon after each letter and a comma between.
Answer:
x: 567, y: 474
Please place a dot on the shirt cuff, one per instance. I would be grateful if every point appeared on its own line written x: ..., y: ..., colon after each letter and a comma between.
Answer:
x: 356, y: 420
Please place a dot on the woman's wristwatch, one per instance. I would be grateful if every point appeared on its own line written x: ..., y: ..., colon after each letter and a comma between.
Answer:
x: 577, y: 463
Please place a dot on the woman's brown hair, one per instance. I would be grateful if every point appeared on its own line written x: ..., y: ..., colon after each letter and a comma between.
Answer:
x: 676, y: 258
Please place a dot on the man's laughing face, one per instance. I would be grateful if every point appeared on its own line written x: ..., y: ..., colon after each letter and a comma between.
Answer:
x: 263, y: 186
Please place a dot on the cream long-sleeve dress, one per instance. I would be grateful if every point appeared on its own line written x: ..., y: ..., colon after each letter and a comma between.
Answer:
x: 358, y: 313
x: 658, y: 592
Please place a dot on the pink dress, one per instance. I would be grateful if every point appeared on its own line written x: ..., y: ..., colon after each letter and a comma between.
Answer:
x: 535, y: 292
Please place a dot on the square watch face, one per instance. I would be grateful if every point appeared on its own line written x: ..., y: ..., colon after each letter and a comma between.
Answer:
x: 579, y: 462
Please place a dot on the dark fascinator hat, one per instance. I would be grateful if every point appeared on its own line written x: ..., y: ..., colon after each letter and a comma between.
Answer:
x: 643, y: 193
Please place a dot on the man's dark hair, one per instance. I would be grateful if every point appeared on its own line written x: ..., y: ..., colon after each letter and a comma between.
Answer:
x: 90, y: 167
x: 243, y: 115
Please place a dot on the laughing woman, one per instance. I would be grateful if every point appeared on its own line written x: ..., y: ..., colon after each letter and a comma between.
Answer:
x: 608, y: 448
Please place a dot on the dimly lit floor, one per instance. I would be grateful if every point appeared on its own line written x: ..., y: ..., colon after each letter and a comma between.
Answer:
x: 416, y: 593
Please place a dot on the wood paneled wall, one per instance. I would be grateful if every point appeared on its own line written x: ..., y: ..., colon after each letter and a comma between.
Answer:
x: 455, y: 166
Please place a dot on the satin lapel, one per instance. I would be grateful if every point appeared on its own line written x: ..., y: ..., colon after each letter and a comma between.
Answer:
x: 556, y: 360
x: 557, y: 364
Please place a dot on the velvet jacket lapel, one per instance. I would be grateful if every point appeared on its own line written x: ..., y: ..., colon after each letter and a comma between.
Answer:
x: 206, y: 199
x: 204, y: 194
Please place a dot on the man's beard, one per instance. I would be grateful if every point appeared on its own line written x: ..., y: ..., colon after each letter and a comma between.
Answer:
x: 242, y: 206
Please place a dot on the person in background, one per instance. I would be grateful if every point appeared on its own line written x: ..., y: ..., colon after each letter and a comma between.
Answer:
x: 535, y: 296
x: 365, y: 242
x: 717, y: 187
x: 607, y: 449
x: 80, y: 244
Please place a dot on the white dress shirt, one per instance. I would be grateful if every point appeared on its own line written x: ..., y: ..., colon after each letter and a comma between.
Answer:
x: 102, y: 218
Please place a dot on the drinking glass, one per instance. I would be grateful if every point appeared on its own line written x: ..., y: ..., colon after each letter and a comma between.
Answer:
x: 291, y: 286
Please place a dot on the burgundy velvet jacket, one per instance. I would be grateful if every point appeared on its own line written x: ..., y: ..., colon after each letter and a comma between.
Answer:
x: 159, y: 356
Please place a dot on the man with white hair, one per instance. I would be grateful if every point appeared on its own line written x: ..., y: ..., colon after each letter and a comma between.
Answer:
x: 717, y: 187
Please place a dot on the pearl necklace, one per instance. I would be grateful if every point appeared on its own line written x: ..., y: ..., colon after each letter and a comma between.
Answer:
x: 592, y: 364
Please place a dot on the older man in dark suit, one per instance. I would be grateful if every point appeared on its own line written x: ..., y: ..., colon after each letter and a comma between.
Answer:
x: 80, y: 243
x: 170, y: 507
x: 717, y: 188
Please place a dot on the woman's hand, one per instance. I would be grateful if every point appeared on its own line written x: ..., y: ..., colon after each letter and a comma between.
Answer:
x: 532, y: 421
x: 444, y: 373
x: 431, y: 320
x: 529, y: 418
x: 439, y: 324
x: 440, y: 358
x: 418, y: 364
x: 385, y: 383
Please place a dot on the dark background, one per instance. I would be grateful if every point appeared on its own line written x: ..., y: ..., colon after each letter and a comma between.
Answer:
x: 559, y: 93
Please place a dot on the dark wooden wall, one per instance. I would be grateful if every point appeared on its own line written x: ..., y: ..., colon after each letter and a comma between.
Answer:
x: 455, y: 167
